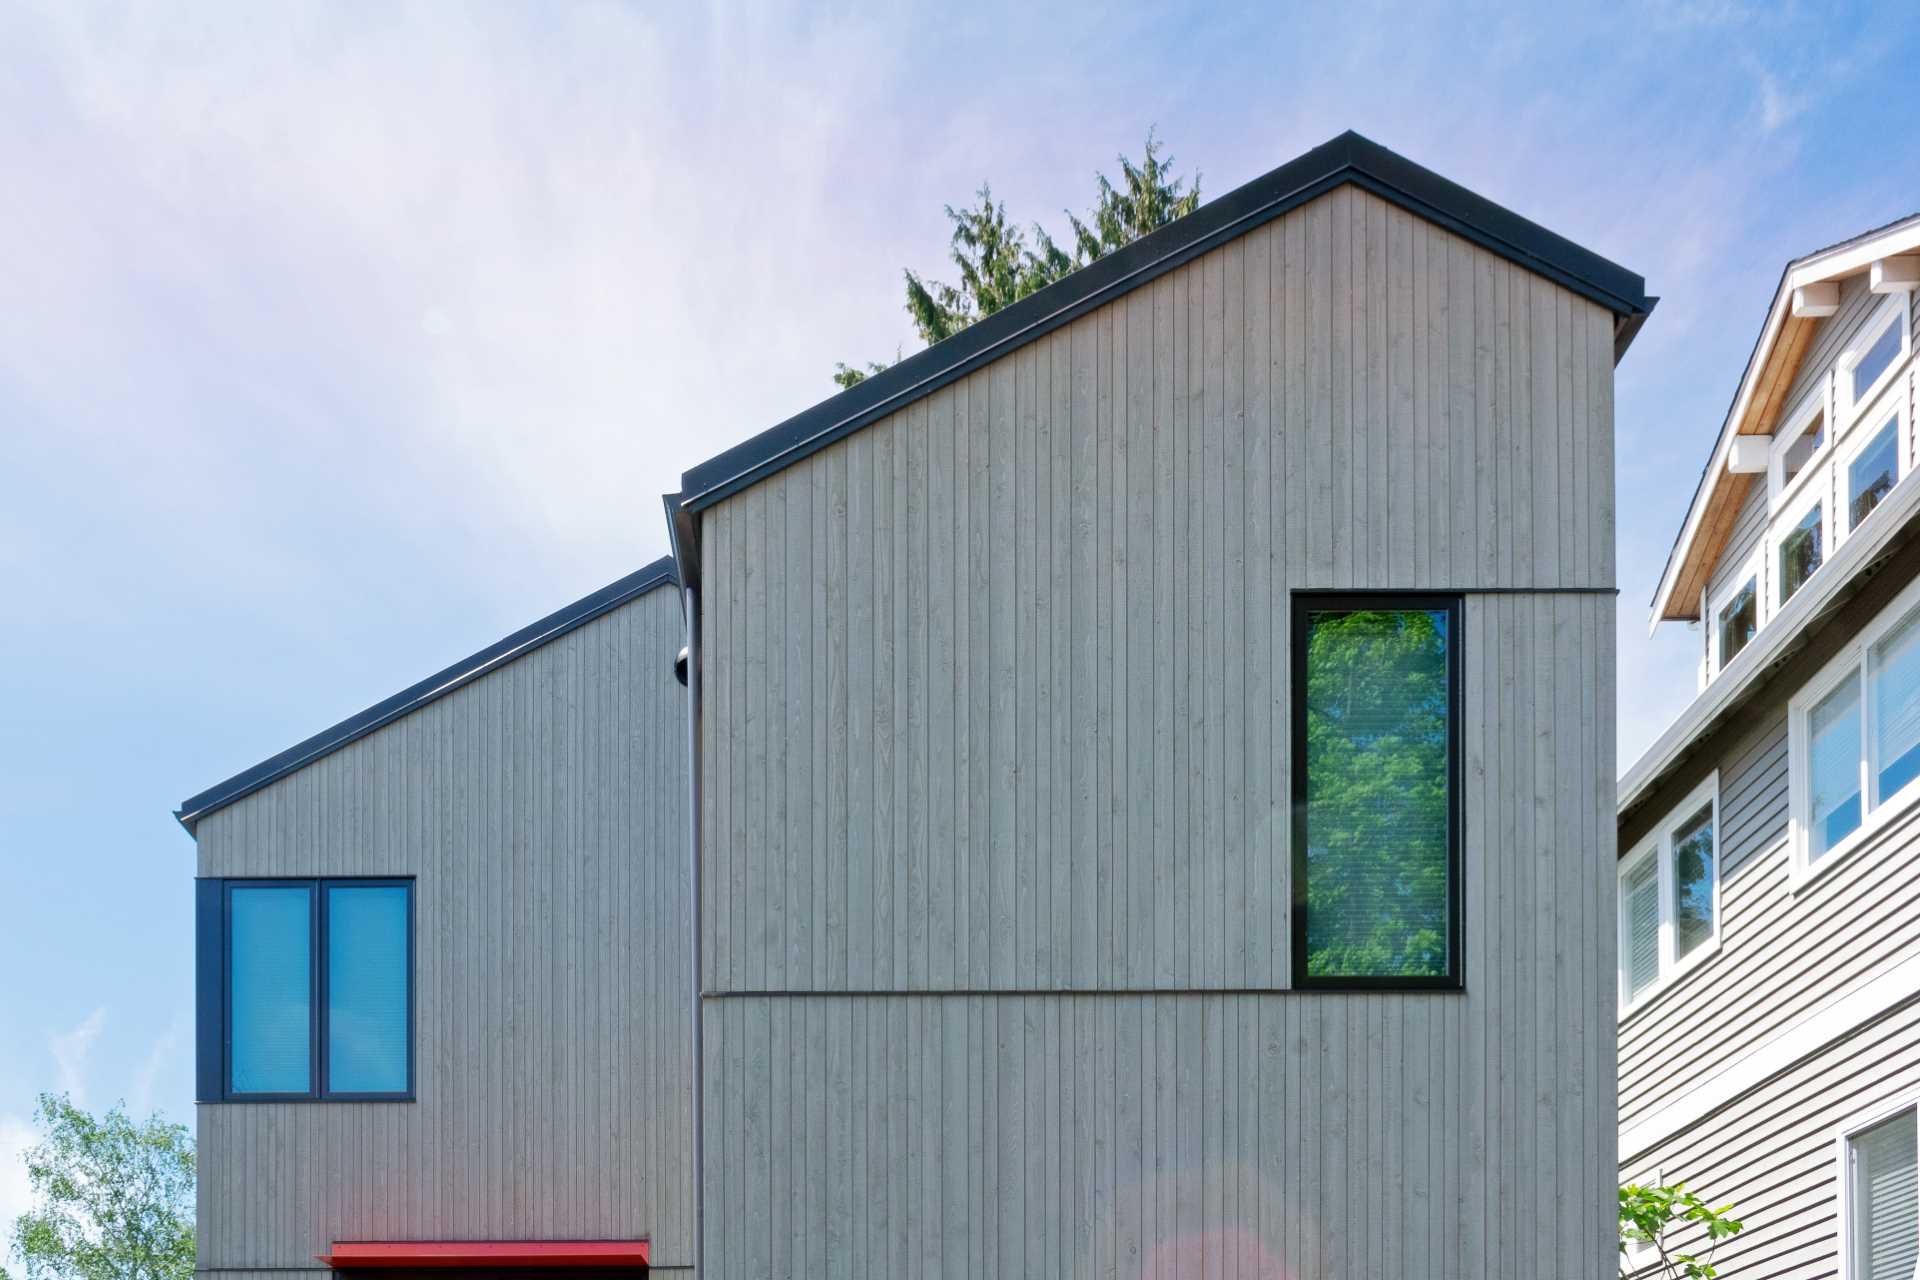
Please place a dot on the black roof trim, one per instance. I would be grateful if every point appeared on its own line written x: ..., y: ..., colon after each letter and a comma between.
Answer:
x: 1347, y: 158
x: 519, y: 644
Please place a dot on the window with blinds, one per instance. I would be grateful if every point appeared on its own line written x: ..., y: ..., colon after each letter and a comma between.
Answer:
x: 1854, y: 737
x: 1640, y: 911
x: 1670, y: 896
x: 1883, y: 1201
x: 1376, y: 857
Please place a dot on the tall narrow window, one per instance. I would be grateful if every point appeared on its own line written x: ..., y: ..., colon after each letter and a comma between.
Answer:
x: 1693, y: 883
x: 1739, y: 619
x: 1376, y: 828
x: 270, y: 986
x: 1640, y: 923
x: 1895, y: 663
x: 367, y: 982
x: 306, y: 989
x: 1883, y: 1196
x: 1800, y: 553
x: 1873, y: 474
x: 1833, y: 772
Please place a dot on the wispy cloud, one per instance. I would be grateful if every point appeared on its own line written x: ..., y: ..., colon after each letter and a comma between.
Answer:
x: 72, y: 1052
x: 160, y: 1057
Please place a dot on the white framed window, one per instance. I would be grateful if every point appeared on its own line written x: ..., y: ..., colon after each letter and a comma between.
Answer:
x: 1875, y: 354
x: 1853, y: 740
x: 1799, y: 446
x: 1879, y: 1178
x: 1873, y: 462
x: 1669, y: 897
x: 1801, y: 536
x: 1734, y: 614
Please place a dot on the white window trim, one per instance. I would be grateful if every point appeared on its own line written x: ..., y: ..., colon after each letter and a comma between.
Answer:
x: 1659, y: 845
x: 1804, y: 498
x: 1891, y: 312
x: 1872, y: 819
x: 1779, y: 488
x: 1752, y: 571
x: 1859, y: 1123
x: 1857, y: 445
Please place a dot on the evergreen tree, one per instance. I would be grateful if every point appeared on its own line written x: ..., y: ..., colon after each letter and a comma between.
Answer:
x: 998, y: 266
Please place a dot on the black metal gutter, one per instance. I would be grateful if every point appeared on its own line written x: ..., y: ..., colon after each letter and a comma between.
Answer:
x: 1347, y: 158
x: 660, y: 573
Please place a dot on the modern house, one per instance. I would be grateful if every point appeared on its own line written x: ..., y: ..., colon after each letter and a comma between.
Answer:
x: 1139, y: 806
x: 1769, y: 962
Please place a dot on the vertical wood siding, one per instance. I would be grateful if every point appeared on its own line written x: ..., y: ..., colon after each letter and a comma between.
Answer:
x: 543, y: 810
x: 1005, y: 675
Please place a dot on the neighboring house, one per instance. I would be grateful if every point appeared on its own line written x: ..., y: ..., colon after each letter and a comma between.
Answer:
x: 1769, y: 979
x: 1151, y: 763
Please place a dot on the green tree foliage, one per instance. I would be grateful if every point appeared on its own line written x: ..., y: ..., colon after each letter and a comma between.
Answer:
x: 113, y: 1199
x: 1377, y: 811
x: 999, y: 264
x: 1649, y: 1215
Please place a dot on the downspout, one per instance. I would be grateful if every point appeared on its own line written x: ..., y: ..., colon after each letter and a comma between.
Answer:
x: 691, y: 602
x: 681, y: 533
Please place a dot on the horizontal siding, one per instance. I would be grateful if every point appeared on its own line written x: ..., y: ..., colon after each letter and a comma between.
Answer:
x: 543, y: 810
x: 1857, y: 303
x: 1858, y: 918
x: 1771, y: 1154
x: 1054, y: 1134
x: 994, y: 691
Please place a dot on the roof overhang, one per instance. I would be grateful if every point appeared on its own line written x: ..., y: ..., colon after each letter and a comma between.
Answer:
x: 1348, y: 158
x: 496, y: 1255
x: 1758, y: 402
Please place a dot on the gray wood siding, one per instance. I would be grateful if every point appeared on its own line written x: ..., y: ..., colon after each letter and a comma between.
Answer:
x: 1772, y: 1154
x: 543, y: 810
x: 995, y: 701
x: 995, y: 689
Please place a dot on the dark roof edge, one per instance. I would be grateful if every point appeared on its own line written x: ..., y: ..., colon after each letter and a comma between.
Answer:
x: 496, y: 655
x: 1347, y: 158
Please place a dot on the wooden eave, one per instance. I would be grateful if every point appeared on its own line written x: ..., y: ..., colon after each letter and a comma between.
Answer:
x: 1757, y: 406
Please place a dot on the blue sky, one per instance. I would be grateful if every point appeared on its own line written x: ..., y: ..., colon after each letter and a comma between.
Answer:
x: 340, y: 340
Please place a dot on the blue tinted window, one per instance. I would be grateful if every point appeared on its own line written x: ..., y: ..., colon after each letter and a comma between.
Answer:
x: 1881, y: 354
x: 367, y: 982
x: 270, y: 982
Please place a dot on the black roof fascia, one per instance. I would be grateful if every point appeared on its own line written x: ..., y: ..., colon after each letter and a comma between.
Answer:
x: 1347, y: 158
x: 520, y: 643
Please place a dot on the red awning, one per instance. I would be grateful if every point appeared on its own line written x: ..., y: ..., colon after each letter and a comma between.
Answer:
x: 391, y: 1254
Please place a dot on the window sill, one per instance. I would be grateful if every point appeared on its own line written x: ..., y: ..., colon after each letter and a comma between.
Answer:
x: 1667, y: 982
x: 1800, y: 875
x: 303, y: 1099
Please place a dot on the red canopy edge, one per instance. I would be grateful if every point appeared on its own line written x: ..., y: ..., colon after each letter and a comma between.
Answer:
x: 372, y: 1254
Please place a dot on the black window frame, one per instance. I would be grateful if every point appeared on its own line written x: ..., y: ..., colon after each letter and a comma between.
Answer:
x: 1304, y: 604
x: 214, y: 1041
